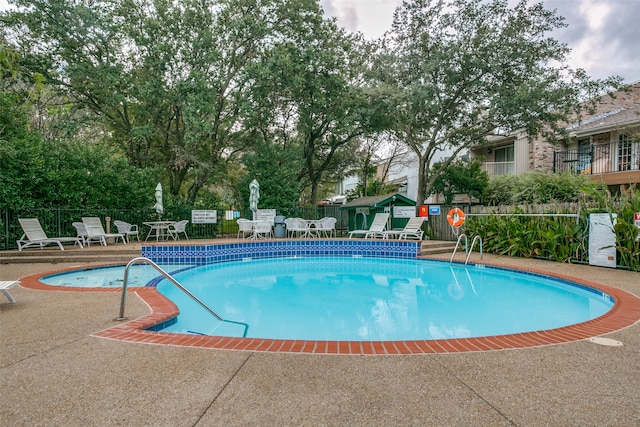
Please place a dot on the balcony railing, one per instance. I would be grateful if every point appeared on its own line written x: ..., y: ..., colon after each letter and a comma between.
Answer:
x: 499, y: 168
x: 598, y: 158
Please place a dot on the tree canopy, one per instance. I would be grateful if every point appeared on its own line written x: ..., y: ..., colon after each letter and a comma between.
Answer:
x: 206, y: 95
x: 455, y: 71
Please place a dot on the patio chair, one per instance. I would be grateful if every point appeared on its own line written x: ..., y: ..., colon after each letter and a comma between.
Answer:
x: 176, y: 228
x: 127, y: 229
x: 327, y: 226
x: 413, y: 230
x: 5, y: 285
x: 262, y: 229
x: 34, y: 235
x: 95, y: 231
x: 376, y: 229
x: 245, y: 228
x: 296, y: 227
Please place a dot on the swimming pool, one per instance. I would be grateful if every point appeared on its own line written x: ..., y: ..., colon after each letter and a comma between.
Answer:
x: 355, y: 298
x: 374, y: 299
x: 142, y: 328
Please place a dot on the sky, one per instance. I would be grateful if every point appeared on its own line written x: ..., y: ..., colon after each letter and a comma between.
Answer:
x: 603, y: 35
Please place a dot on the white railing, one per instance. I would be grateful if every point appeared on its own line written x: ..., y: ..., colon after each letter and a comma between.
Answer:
x: 499, y: 168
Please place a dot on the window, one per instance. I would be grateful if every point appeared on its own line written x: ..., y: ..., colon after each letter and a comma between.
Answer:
x: 584, y: 157
x: 503, y: 157
x: 627, y: 155
x: 504, y: 154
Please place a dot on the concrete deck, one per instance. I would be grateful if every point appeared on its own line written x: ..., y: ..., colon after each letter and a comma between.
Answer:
x: 53, y: 372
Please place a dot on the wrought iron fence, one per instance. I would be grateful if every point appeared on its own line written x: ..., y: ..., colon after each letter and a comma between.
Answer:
x: 598, y: 158
x: 59, y: 222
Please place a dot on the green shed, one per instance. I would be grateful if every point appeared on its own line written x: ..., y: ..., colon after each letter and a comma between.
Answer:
x: 361, y: 211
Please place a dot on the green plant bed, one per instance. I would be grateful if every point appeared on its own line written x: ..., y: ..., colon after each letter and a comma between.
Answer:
x: 561, y: 239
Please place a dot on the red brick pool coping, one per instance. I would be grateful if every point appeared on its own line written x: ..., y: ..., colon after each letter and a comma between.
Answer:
x: 624, y: 313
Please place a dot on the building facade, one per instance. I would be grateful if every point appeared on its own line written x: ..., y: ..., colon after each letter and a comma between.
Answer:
x: 604, y: 145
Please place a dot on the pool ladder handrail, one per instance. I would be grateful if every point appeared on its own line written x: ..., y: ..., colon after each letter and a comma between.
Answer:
x: 145, y: 260
x: 468, y: 249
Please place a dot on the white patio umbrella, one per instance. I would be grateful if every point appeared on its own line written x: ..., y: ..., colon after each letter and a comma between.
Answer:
x: 158, y: 194
x: 254, y: 196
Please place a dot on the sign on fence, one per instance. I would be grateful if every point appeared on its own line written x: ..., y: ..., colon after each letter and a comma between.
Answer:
x: 231, y: 215
x: 404, y: 211
x: 265, y: 214
x: 204, y: 217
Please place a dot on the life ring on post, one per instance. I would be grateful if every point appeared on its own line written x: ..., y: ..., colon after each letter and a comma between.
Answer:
x: 455, y: 217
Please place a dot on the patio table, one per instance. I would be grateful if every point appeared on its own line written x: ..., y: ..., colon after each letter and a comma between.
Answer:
x: 158, y: 229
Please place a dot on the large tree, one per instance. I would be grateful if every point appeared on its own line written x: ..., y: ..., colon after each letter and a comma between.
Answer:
x: 455, y: 71
x: 317, y: 96
x: 166, y: 78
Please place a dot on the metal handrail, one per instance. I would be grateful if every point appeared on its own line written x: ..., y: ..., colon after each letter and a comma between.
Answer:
x: 466, y: 245
x: 139, y: 260
x: 473, y: 242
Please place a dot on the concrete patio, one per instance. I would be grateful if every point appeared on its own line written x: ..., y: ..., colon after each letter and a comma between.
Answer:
x: 54, y: 373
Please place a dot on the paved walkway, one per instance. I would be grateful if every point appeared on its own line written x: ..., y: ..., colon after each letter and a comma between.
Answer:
x: 53, y: 372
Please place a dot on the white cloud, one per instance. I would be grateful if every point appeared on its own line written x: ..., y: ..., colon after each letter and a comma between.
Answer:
x: 603, y: 34
x: 371, y: 17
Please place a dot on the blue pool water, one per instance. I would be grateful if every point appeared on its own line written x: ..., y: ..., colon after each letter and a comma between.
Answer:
x: 108, y: 277
x: 343, y: 298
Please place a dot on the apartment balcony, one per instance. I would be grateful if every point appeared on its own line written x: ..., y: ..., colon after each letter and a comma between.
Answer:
x: 612, y: 163
x: 499, y: 168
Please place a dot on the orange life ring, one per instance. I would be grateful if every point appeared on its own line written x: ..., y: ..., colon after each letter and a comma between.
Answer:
x: 455, y: 217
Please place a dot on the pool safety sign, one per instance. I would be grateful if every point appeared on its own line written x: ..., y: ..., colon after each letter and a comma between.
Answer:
x: 404, y: 211
x: 602, y: 240
x: 204, y: 217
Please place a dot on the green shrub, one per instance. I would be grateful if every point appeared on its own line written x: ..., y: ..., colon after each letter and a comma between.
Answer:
x: 536, y: 188
x: 563, y: 239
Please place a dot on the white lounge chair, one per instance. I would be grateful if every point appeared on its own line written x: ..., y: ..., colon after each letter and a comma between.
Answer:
x: 81, y: 232
x: 95, y: 231
x: 176, y: 228
x: 5, y: 285
x: 412, y: 230
x: 127, y: 229
x: 376, y: 229
x: 34, y: 235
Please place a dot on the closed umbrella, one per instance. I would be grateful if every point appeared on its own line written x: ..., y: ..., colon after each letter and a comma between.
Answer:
x: 254, y: 196
x: 158, y: 206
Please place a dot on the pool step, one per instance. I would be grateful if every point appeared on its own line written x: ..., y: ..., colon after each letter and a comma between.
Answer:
x: 437, y: 247
x: 54, y: 255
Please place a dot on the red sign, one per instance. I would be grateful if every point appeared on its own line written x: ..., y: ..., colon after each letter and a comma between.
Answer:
x: 636, y: 216
x: 424, y: 210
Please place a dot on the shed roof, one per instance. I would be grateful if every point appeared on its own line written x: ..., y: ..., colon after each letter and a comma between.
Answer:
x: 375, y: 201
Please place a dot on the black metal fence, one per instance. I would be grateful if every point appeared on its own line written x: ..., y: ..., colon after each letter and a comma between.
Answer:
x: 58, y: 222
x: 598, y: 158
